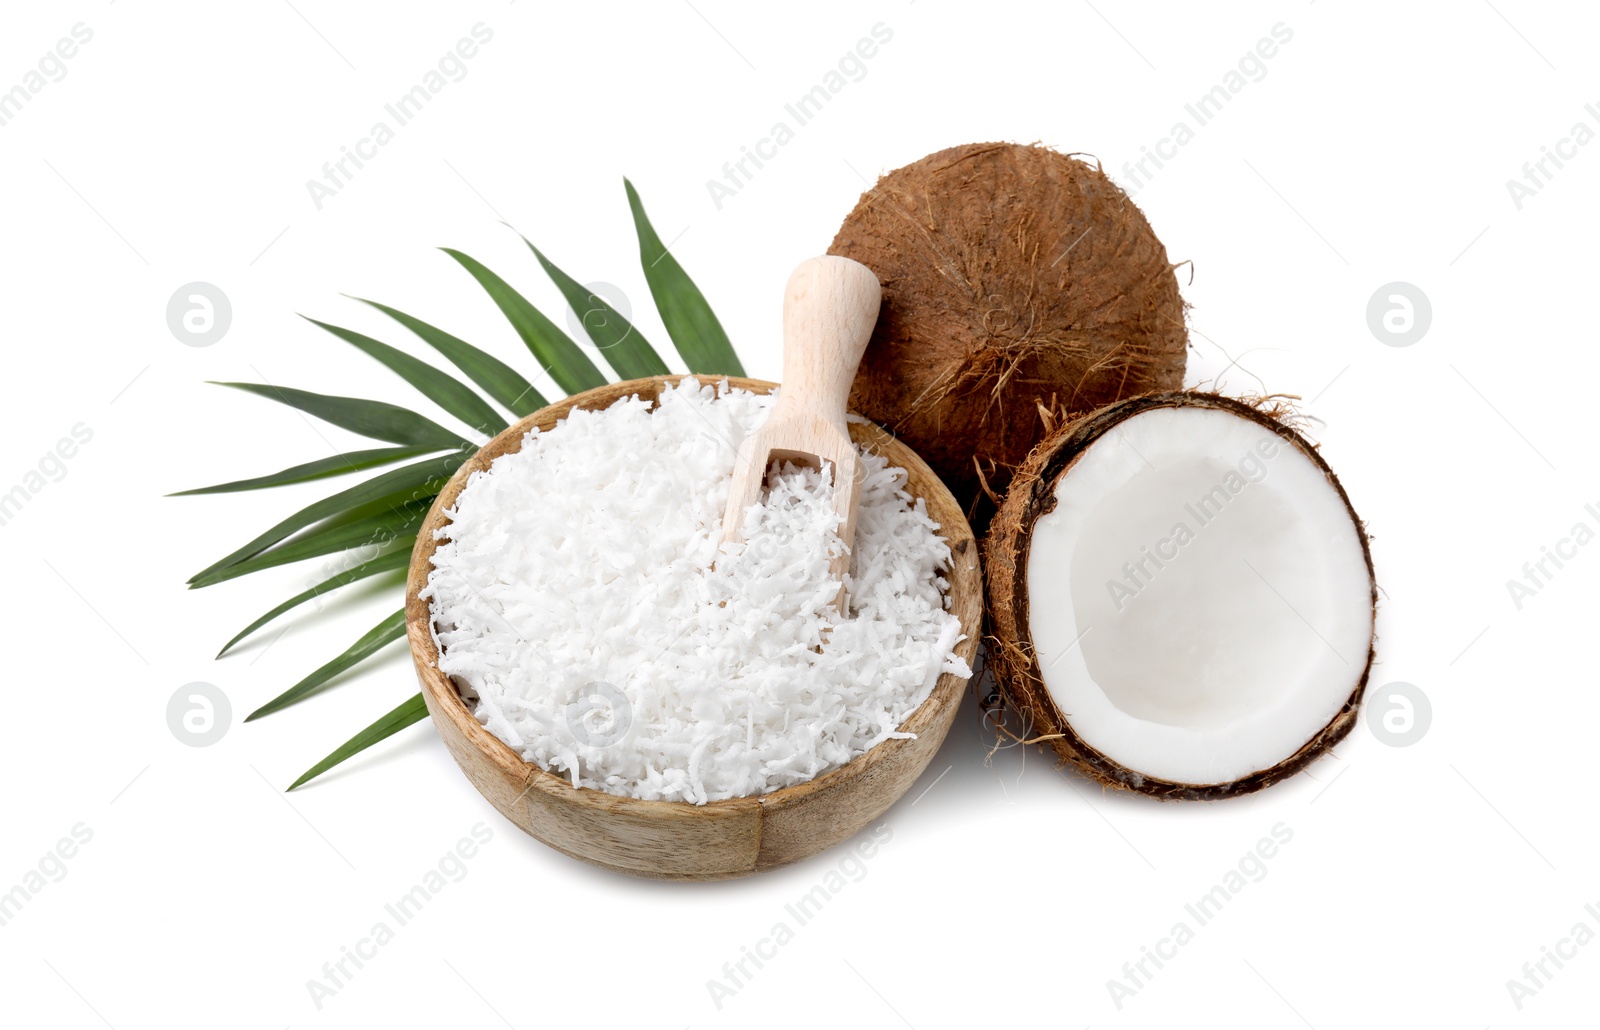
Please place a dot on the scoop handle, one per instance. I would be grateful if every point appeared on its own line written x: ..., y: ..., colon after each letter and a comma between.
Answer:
x: 829, y: 308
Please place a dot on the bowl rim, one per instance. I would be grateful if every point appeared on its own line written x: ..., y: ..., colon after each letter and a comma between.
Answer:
x: 964, y: 579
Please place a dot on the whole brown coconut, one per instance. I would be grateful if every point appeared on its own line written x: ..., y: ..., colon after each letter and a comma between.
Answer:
x: 1014, y: 278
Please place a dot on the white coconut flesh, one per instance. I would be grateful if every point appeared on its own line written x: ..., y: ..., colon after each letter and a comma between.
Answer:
x: 1198, y: 599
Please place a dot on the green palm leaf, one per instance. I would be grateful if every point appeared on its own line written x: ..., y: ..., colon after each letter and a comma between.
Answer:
x: 392, y: 628
x: 443, y: 389
x: 431, y: 473
x: 496, y: 378
x: 387, y: 510
x: 411, y: 710
x: 391, y: 561
x: 563, y: 359
x: 624, y: 347
x: 322, y: 468
x: 690, y: 321
x: 393, y: 523
x: 373, y: 419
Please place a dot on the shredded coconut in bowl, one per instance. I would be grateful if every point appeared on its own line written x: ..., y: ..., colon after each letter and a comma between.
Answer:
x: 581, y: 603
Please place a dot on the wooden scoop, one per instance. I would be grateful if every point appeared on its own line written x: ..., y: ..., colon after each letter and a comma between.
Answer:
x: 829, y: 309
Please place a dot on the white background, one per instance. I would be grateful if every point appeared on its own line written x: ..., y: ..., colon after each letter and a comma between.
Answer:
x: 1377, y: 148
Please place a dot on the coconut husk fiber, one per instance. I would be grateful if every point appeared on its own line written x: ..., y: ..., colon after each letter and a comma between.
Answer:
x: 1016, y: 280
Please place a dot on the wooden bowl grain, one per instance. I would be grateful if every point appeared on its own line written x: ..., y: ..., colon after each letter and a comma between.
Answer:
x: 675, y: 840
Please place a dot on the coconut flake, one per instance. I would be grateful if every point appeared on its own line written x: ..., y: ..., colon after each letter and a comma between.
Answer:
x: 582, y: 603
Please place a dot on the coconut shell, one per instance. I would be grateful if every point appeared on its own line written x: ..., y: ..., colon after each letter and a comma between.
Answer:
x: 1010, y: 641
x: 1015, y: 279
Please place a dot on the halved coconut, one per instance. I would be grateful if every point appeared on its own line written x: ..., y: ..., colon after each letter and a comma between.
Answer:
x: 1181, y: 597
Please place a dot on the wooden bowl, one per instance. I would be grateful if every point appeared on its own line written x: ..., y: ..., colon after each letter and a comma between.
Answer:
x: 675, y: 840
